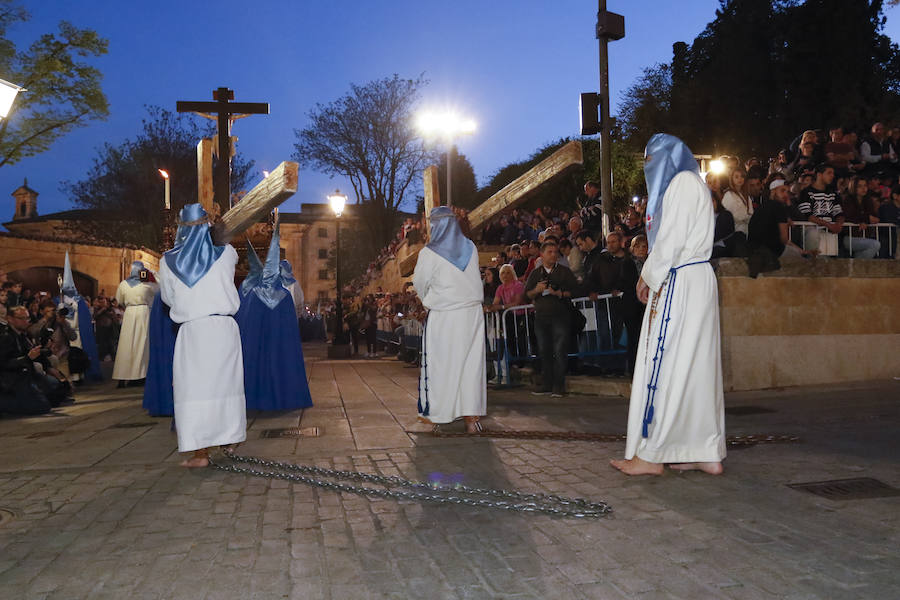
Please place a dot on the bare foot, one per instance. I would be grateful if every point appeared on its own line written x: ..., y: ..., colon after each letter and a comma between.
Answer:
x: 713, y: 468
x: 473, y: 425
x: 637, y: 466
x: 199, y: 460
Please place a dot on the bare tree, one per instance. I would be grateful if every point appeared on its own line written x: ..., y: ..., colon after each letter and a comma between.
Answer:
x: 368, y: 137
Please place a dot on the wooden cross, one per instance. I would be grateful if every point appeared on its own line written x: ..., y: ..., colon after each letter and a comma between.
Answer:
x: 226, y: 112
x: 514, y: 193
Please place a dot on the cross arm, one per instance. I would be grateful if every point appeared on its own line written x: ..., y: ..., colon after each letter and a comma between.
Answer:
x: 280, y: 185
x: 231, y: 108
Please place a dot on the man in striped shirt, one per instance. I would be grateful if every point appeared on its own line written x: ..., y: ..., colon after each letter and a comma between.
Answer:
x: 819, y: 204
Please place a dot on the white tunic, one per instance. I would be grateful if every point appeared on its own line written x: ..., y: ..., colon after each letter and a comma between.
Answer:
x: 689, y: 419
x: 740, y: 211
x: 208, y: 369
x: 133, y: 352
x: 452, y: 381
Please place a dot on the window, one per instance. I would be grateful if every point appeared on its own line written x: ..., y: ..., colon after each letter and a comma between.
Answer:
x: 323, y: 253
x: 323, y: 232
x: 323, y: 273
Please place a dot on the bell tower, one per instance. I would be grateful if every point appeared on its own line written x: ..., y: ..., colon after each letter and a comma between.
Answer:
x: 26, y: 202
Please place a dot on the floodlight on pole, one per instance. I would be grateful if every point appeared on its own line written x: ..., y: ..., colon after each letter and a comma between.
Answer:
x: 447, y: 125
x: 8, y: 92
x: 165, y: 175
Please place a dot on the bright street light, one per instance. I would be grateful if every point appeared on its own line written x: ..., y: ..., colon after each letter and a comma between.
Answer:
x: 447, y: 125
x: 337, y: 201
x: 8, y: 93
x: 717, y: 166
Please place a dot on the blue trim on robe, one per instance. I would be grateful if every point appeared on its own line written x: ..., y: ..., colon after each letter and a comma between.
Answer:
x: 274, y: 372
x: 158, y: 396
x: 88, y: 340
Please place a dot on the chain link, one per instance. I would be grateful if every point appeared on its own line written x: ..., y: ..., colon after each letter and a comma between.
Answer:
x: 399, y: 488
x: 577, y: 436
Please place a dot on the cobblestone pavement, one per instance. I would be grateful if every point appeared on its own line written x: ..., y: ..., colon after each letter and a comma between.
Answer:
x: 101, y: 510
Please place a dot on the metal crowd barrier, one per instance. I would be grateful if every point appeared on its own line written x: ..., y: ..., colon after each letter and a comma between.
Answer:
x: 603, y: 335
x: 885, y: 233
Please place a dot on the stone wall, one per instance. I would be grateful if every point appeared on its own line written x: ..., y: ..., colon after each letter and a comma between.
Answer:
x: 105, y: 265
x: 821, y: 321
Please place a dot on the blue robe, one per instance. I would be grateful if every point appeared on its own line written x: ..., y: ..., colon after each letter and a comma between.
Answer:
x: 158, y: 399
x: 88, y: 341
x: 274, y: 373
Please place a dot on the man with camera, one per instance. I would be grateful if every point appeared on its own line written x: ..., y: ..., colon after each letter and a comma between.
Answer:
x: 26, y: 384
x: 550, y: 288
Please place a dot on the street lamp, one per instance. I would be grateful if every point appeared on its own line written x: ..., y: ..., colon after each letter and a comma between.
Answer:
x: 8, y: 93
x: 339, y: 346
x: 165, y: 175
x: 447, y: 125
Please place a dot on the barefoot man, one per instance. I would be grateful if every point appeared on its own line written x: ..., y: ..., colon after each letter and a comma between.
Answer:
x: 452, y: 383
x: 676, y: 416
x: 196, y: 279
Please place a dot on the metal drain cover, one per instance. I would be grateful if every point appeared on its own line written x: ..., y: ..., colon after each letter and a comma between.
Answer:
x: 130, y: 425
x: 290, y: 432
x: 738, y: 411
x: 848, y: 489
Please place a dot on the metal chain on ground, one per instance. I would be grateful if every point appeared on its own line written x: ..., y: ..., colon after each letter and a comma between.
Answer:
x: 578, y: 436
x: 416, y: 490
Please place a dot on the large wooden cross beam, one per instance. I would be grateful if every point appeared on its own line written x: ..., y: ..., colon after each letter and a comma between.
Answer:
x: 519, y: 190
x: 280, y: 185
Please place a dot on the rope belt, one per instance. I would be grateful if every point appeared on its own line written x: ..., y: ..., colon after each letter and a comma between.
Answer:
x: 426, y: 409
x: 661, y: 346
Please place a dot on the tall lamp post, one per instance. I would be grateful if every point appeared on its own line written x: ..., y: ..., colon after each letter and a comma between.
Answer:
x: 339, y: 347
x: 447, y: 126
x: 8, y: 92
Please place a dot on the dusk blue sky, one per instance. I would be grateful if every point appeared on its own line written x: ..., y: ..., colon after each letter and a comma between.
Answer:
x: 515, y: 66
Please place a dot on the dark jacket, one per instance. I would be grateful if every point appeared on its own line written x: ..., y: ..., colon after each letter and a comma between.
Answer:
x: 560, y: 277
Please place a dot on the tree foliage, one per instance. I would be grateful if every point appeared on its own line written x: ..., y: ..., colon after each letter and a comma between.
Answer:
x: 124, y: 184
x: 63, y: 90
x: 764, y: 70
x: 368, y: 137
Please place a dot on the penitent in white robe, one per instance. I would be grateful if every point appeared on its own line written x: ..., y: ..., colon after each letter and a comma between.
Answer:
x: 688, y: 423
x: 133, y: 352
x: 452, y: 381
x: 208, y: 368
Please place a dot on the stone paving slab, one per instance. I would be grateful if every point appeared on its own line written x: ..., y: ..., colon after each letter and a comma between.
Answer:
x: 104, y: 512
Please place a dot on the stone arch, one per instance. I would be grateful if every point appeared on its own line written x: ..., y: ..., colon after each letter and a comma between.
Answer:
x: 44, y: 278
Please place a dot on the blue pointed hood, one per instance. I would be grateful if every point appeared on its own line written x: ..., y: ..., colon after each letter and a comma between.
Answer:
x: 68, y: 286
x: 134, y: 277
x: 447, y: 239
x: 665, y: 157
x: 194, y: 252
x: 270, y: 288
x: 254, y: 277
x: 287, y: 273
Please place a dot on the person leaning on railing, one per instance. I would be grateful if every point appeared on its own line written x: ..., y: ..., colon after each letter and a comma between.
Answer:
x: 550, y: 288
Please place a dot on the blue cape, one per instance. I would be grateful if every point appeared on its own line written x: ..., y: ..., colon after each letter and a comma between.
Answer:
x: 85, y: 321
x: 194, y: 252
x: 134, y: 277
x: 665, y: 157
x: 158, y: 398
x: 287, y: 273
x: 274, y: 372
x: 447, y: 239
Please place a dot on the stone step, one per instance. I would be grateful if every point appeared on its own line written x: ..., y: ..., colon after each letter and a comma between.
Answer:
x: 599, y: 386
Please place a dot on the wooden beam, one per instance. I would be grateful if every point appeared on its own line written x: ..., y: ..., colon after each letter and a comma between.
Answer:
x: 205, y: 174
x: 432, y: 190
x: 554, y: 166
x: 280, y: 185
